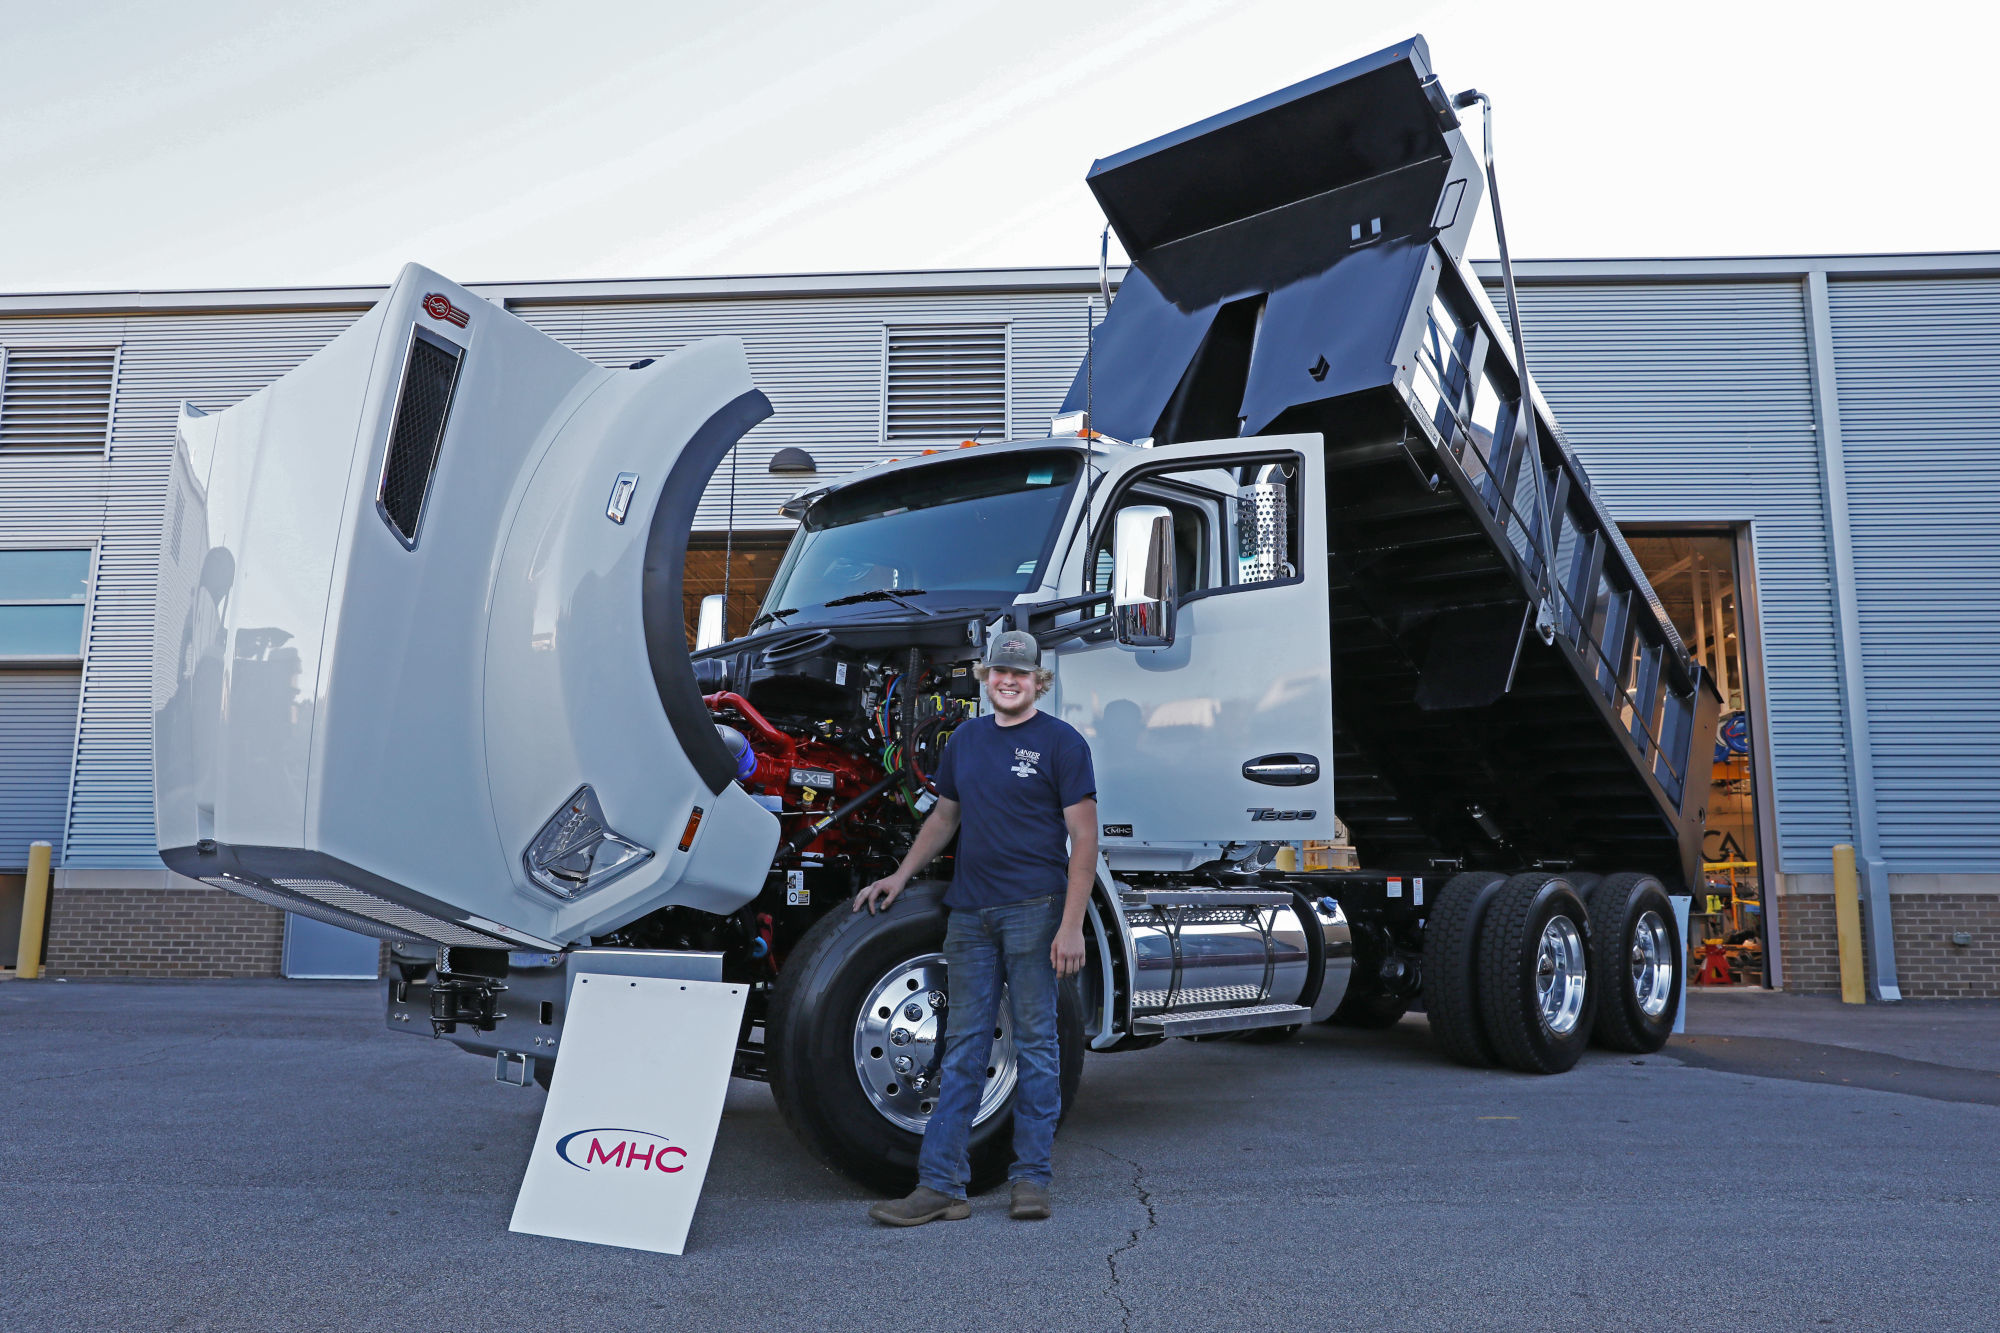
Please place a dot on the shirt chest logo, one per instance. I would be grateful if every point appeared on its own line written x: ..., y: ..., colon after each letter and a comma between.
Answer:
x: 1025, y: 761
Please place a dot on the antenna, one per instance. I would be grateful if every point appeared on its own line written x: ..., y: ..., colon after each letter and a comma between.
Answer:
x: 729, y: 542
x: 1089, y: 366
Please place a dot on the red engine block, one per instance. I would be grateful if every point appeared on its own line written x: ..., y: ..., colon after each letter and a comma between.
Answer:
x: 779, y: 753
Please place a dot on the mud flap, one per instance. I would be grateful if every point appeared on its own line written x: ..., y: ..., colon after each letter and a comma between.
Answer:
x: 632, y: 1113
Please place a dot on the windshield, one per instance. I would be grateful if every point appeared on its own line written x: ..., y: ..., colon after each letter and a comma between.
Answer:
x: 978, y: 524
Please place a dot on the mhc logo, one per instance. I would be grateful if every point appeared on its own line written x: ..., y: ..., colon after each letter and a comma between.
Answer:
x: 622, y: 1151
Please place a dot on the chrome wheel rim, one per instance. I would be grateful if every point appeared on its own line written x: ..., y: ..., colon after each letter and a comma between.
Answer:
x: 1652, y: 964
x: 899, y: 1045
x: 1560, y: 975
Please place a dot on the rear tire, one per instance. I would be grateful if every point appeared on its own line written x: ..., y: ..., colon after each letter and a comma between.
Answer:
x: 815, y: 1013
x: 1635, y: 954
x: 1451, y: 967
x: 1535, y: 996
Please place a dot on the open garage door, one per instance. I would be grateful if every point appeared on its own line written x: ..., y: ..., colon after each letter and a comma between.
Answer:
x: 1698, y: 575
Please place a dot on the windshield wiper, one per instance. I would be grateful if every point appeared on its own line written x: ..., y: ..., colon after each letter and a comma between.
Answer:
x: 900, y: 597
x: 771, y: 615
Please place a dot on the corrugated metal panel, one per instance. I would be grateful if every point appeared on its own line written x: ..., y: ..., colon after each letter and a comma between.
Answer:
x: 56, y: 399
x: 115, y: 501
x: 37, y: 736
x: 821, y: 361
x: 1918, y: 370
x: 1694, y: 401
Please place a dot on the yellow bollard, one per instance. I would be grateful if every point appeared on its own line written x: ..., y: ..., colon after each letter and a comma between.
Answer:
x: 34, y: 913
x: 1847, y: 921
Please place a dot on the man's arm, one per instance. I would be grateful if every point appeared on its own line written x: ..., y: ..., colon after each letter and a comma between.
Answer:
x: 1067, y: 951
x: 930, y: 840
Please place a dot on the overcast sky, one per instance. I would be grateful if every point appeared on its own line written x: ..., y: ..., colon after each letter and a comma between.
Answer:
x: 229, y: 143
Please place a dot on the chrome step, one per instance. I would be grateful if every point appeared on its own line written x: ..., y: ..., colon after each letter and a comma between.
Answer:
x: 1206, y: 1021
x: 1205, y: 898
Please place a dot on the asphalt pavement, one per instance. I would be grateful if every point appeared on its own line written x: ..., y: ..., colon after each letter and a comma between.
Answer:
x: 264, y: 1155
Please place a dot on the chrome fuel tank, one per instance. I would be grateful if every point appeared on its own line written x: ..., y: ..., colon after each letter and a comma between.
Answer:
x: 1214, y: 949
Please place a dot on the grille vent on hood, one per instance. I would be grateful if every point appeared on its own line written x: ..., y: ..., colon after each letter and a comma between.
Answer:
x: 430, y: 374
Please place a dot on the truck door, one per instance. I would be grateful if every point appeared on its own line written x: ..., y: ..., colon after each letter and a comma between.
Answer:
x: 1226, y: 735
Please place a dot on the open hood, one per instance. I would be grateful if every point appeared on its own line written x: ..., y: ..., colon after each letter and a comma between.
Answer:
x: 420, y: 665
x: 1274, y: 250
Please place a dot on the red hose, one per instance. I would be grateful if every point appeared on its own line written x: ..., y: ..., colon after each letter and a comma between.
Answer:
x: 758, y: 722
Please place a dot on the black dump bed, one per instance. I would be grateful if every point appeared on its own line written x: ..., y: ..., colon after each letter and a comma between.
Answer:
x: 1296, y: 267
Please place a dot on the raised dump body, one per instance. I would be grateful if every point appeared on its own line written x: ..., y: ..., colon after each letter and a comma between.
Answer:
x: 1296, y: 267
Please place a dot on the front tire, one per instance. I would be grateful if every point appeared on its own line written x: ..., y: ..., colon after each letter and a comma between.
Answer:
x: 1535, y: 992
x: 818, y: 1034
x: 1635, y: 951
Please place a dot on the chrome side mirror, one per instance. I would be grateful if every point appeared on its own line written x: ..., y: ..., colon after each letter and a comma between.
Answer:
x: 708, y: 627
x: 1143, y: 596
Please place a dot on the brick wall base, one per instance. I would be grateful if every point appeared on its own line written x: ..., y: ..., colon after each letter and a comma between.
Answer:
x: 169, y: 932
x: 1810, y: 943
x: 1929, y: 965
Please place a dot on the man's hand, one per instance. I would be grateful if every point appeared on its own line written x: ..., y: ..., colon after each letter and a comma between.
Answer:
x: 1067, y: 951
x: 877, y: 896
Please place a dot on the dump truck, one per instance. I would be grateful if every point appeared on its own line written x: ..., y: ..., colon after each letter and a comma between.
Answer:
x: 1310, y: 559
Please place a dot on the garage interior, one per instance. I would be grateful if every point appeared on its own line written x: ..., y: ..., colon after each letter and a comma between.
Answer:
x: 1695, y: 572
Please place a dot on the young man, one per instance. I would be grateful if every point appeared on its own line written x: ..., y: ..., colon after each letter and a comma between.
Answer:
x: 1014, y: 785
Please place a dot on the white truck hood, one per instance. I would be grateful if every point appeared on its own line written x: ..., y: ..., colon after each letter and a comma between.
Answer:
x: 420, y: 662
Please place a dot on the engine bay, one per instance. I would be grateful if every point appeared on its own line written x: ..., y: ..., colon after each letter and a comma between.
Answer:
x: 838, y: 735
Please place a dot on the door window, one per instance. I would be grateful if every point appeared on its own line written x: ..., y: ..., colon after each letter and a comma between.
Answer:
x: 1235, y: 525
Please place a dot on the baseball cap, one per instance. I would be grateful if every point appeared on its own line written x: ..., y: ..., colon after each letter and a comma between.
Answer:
x: 1015, y: 650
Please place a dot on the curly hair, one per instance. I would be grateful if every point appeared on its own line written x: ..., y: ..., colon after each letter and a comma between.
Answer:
x: 1044, y: 678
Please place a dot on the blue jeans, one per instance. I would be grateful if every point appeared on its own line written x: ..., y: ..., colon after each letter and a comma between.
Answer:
x: 986, y: 948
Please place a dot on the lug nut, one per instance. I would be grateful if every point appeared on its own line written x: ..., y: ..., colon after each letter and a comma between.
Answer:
x: 903, y: 1064
x: 936, y: 998
x: 900, y: 1037
x: 913, y: 1011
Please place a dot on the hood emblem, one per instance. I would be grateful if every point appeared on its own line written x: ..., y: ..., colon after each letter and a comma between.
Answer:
x: 576, y: 850
x: 438, y: 306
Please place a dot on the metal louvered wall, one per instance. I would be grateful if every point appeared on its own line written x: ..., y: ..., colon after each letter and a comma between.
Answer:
x: 56, y: 399
x: 1687, y: 400
x: 1917, y: 370
x: 822, y: 361
x: 1693, y: 401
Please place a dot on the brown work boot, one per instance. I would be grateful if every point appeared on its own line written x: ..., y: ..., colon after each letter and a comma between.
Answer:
x: 923, y: 1205
x: 1030, y: 1202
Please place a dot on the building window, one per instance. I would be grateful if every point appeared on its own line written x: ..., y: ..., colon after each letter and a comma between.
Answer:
x: 42, y: 595
x: 56, y: 399
x: 945, y: 381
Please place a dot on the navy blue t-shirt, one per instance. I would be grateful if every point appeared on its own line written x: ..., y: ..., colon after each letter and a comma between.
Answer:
x: 1012, y: 785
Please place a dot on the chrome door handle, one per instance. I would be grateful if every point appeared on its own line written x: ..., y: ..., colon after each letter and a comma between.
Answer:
x: 1283, y: 770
